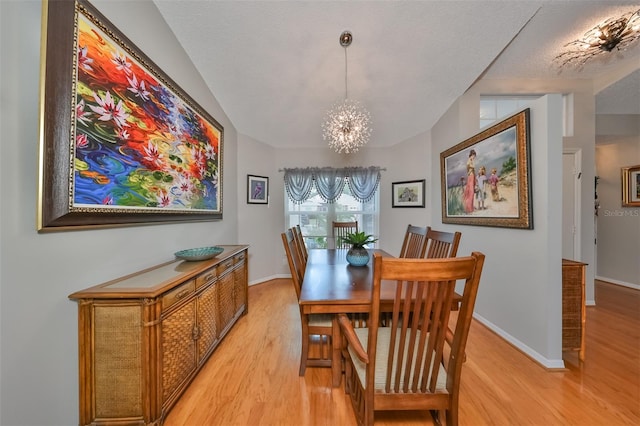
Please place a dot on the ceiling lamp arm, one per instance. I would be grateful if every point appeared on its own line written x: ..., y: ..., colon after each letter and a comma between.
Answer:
x: 346, y: 87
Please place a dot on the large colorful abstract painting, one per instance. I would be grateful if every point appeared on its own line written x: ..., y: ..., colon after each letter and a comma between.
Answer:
x: 137, y: 148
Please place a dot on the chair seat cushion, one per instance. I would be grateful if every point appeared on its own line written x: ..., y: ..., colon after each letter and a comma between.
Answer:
x: 320, y: 320
x: 382, y: 351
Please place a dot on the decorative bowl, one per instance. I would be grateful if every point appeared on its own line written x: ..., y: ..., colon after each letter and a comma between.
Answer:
x: 201, y: 253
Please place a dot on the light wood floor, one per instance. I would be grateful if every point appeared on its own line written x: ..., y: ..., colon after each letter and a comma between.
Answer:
x: 252, y: 378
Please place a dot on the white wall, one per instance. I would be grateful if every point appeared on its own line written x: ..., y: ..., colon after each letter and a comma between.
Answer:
x: 38, y: 324
x: 409, y: 160
x: 260, y: 223
x: 618, y: 228
x: 582, y: 138
x: 520, y: 290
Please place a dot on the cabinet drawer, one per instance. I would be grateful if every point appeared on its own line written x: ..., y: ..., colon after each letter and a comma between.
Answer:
x: 207, y: 277
x: 239, y: 257
x: 177, y: 294
x: 225, y: 266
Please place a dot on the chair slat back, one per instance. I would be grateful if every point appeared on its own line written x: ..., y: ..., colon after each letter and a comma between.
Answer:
x: 423, y: 293
x: 415, y: 242
x: 341, y: 229
x: 295, y: 265
x: 302, y: 248
x: 442, y: 244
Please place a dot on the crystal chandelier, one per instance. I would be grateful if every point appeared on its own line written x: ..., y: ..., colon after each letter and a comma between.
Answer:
x: 346, y: 125
x: 613, y: 33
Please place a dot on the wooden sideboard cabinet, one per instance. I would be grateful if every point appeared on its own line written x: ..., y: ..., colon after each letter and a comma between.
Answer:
x: 142, y: 338
x: 573, y: 306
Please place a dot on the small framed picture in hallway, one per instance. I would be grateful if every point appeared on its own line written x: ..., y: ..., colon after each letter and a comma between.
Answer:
x: 631, y: 186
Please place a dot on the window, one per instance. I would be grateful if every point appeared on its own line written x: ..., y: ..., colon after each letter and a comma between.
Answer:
x: 315, y: 216
x: 494, y: 108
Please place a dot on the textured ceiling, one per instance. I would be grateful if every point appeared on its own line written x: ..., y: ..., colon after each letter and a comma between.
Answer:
x: 276, y: 67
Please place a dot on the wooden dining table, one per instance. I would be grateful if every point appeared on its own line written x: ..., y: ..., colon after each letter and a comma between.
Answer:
x: 332, y: 286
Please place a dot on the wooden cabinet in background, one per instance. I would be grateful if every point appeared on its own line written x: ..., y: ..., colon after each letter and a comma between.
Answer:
x: 573, y: 306
x: 142, y: 338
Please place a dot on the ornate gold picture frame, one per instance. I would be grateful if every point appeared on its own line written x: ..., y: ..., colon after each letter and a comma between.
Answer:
x: 486, y: 179
x: 121, y: 143
x: 631, y: 186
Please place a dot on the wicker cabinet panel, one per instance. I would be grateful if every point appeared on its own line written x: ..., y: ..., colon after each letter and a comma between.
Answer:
x: 573, y: 306
x: 226, y: 306
x: 142, y: 338
x: 207, y: 321
x: 240, y: 290
x: 118, y: 379
x: 178, y: 349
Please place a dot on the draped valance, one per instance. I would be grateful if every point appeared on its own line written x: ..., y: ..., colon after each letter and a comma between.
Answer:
x: 330, y: 182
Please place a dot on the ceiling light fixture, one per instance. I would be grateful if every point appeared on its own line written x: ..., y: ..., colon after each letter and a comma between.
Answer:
x: 346, y: 125
x: 613, y: 33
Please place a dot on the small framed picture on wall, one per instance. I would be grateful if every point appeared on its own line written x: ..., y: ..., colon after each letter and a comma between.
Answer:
x: 408, y: 193
x: 257, y: 189
x: 631, y: 186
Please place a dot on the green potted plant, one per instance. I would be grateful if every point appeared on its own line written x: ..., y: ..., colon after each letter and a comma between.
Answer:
x: 358, y: 254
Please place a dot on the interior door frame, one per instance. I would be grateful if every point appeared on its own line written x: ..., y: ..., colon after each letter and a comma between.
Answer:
x: 577, y: 199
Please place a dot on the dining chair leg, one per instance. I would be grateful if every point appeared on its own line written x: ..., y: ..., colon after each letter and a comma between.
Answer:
x: 304, y: 353
x: 336, y: 356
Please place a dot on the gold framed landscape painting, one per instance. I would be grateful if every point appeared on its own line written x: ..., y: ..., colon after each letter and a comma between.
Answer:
x: 486, y: 179
x: 121, y: 142
x: 631, y: 186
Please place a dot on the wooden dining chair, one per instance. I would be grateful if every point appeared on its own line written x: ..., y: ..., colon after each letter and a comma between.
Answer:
x: 409, y: 364
x: 415, y: 242
x: 316, y: 328
x: 302, y: 248
x: 442, y: 244
x: 298, y: 261
x: 341, y: 229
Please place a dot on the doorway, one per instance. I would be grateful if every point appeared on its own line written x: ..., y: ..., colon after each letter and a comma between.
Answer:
x: 571, y: 174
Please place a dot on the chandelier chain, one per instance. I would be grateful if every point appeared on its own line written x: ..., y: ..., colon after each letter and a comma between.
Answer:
x: 346, y: 90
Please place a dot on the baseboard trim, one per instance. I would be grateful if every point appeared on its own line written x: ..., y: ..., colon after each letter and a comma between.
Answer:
x: 618, y: 282
x: 549, y: 364
x: 269, y: 278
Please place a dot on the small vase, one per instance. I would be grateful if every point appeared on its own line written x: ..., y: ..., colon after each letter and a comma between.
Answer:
x: 358, y: 256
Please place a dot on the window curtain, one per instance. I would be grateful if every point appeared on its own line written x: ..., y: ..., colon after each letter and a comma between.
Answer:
x: 298, y: 184
x: 363, y: 182
x: 329, y: 182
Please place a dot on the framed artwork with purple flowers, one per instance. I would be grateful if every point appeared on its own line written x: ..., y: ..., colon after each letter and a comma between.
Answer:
x: 257, y: 189
x: 121, y: 143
